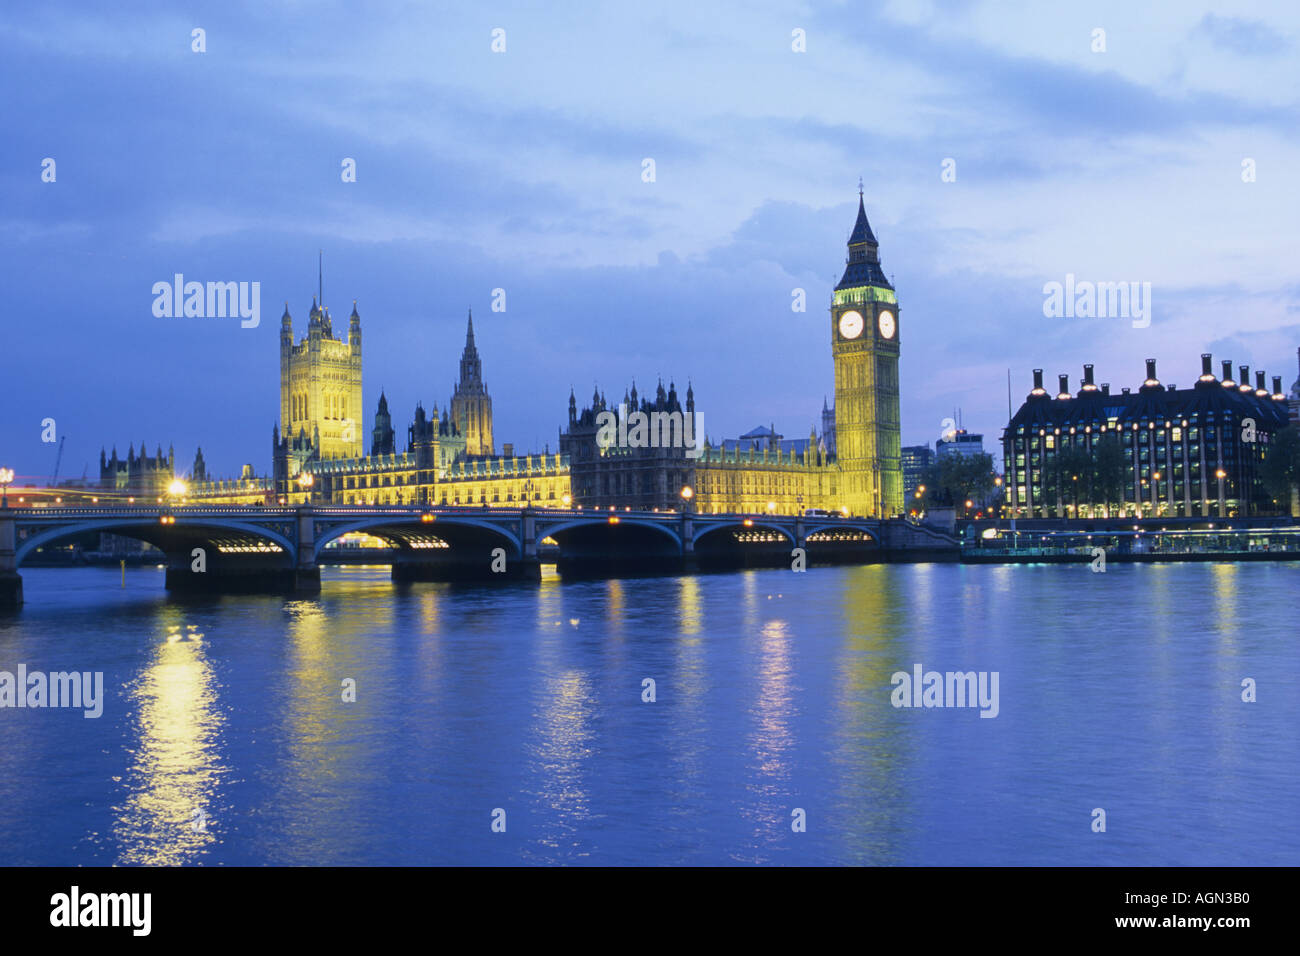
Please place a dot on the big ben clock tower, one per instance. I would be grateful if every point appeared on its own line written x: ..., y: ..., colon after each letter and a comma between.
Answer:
x: 864, y: 343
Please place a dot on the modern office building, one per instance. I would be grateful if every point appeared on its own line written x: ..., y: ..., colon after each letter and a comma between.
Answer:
x: 916, y: 461
x: 958, y: 442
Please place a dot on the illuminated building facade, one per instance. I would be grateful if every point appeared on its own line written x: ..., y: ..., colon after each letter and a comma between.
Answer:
x: 759, y: 473
x: 1191, y: 452
x: 864, y: 343
x: 320, y: 385
x: 142, y: 475
x: 318, y: 455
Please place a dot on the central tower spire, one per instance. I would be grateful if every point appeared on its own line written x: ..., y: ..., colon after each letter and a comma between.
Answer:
x: 471, y: 405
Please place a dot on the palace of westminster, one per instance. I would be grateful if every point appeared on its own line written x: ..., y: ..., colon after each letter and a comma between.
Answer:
x: 1184, y: 452
x: 450, y: 458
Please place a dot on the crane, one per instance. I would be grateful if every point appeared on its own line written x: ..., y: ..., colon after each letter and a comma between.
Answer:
x: 54, y: 480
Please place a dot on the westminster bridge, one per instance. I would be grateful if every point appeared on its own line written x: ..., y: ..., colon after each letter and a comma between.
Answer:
x: 254, y: 548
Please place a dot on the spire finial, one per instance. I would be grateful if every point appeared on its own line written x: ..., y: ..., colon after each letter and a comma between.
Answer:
x: 859, y: 187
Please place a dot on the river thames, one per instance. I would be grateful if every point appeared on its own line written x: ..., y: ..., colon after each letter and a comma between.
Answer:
x: 225, y: 738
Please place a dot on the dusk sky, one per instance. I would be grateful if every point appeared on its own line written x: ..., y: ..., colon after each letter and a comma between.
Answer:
x: 522, y: 170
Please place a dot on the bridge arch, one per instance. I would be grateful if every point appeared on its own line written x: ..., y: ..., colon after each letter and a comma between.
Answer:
x: 872, y: 533
x: 396, y: 524
x: 665, y: 529
x: 148, y: 528
x: 739, y: 525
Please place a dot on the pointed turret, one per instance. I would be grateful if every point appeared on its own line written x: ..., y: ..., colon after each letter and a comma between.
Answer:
x: 862, y: 229
x: 863, y: 268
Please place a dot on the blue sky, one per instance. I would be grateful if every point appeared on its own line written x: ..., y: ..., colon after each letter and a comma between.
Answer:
x: 522, y: 170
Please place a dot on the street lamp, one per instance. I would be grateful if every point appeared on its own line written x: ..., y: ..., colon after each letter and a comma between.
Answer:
x: 568, y: 500
x: 687, y: 495
x: 6, y: 479
x: 305, y: 481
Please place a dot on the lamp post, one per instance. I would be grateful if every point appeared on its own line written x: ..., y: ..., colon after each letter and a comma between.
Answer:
x: 687, y: 495
x: 305, y: 481
x: 176, y: 490
x: 1223, y: 505
x: 6, y: 479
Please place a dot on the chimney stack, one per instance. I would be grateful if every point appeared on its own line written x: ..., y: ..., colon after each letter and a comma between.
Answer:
x: 1277, y: 387
x: 1065, y: 386
x: 1260, y: 387
x: 1245, y: 379
x: 1206, y: 360
x: 1105, y: 388
x: 1151, y: 380
x: 1227, y: 373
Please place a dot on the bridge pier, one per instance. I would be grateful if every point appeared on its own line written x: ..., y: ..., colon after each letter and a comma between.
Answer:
x: 11, y: 582
x: 306, y: 574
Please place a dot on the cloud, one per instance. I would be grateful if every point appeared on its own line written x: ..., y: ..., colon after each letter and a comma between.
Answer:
x: 1238, y: 35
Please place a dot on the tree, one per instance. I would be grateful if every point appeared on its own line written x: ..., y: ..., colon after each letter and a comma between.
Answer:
x: 1107, y: 472
x: 957, y: 479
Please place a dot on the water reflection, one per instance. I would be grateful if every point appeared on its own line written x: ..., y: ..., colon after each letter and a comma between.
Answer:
x: 873, y: 749
x: 171, y: 810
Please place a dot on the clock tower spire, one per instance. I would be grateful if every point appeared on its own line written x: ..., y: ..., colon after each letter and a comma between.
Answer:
x: 864, y: 344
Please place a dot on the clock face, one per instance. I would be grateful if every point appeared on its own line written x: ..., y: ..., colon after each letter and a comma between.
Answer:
x: 887, y: 325
x: 850, y: 325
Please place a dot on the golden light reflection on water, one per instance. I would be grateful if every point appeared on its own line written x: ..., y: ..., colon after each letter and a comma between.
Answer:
x: 169, y: 816
x: 689, y: 684
x: 320, y: 658
x: 690, y: 605
x: 615, y: 604
x: 550, y: 600
x: 1226, y: 594
x: 770, y: 738
x: 870, y: 747
x: 563, y: 743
